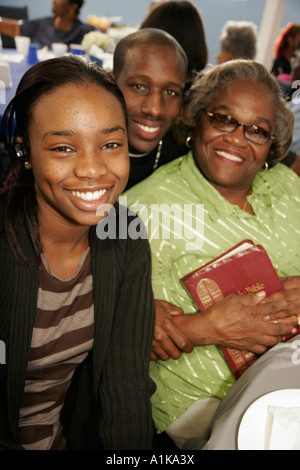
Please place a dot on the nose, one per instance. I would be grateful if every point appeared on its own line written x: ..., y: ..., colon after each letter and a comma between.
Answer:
x: 237, y: 137
x: 91, y: 165
x: 153, y: 104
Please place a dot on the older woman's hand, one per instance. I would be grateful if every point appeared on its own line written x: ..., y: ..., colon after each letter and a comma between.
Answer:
x: 169, y: 340
x: 251, y: 322
x: 291, y: 294
x: 245, y: 322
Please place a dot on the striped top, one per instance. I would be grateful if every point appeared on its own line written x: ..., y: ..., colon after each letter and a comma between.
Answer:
x: 62, y: 336
x: 196, y: 224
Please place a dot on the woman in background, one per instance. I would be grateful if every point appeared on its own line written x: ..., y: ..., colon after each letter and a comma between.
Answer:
x: 183, y: 21
x: 285, y: 47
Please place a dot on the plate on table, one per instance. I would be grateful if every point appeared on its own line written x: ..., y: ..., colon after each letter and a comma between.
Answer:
x: 253, y: 430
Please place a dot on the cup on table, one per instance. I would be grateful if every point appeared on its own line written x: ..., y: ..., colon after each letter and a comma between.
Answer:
x: 77, y: 49
x: 5, y: 78
x: 32, y: 57
x: 59, y: 49
x: 22, y: 45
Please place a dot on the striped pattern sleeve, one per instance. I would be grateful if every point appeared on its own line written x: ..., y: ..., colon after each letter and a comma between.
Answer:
x: 62, y: 336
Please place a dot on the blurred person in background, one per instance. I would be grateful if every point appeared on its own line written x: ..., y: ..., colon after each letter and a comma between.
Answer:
x: 238, y: 41
x: 156, y: 4
x: 64, y: 26
x: 286, y: 45
x: 183, y: 21
x: 294, y: 103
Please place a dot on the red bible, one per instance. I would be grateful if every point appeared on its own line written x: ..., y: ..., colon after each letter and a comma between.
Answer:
x: 245, y: 268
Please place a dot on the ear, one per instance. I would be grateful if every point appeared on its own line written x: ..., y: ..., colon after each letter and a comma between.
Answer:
x: 73, y: 9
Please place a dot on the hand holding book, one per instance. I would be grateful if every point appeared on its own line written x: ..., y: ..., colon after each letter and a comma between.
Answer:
x: 246, y: 268
x: 291, y: 295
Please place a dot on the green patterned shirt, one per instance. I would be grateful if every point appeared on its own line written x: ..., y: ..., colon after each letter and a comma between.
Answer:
x: 201, y: 225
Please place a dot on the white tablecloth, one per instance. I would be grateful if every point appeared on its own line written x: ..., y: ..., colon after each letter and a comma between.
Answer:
x: 277, y: 369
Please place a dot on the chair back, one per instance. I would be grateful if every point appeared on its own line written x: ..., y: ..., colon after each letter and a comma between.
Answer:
x: 12, y: 13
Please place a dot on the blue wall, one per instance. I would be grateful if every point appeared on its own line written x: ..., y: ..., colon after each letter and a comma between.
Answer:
x: 215, y: 13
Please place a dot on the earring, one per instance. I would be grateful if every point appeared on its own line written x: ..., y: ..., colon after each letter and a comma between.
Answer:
x: 27, y: 165
x: 266, y: 166
x: 19, y: 150
x: 189, y: 142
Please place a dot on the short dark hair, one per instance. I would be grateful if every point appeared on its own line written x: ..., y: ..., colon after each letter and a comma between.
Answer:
x: 79, y: 3
x: 142, y: 37
x: 38, y: 81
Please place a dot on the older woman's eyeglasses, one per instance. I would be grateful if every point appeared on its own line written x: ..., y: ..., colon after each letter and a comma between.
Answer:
x: 253, y: 133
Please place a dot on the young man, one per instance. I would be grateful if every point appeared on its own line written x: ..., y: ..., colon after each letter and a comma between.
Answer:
x: 150, y: 68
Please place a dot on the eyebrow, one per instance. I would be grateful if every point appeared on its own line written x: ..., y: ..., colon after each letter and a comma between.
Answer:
x: 71, y: 132
x: 147, y: 77
x: 225, y: 108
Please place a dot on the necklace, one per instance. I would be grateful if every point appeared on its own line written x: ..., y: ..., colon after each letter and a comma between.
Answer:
x: 245, y: 205
x: 157, y: 154
x: 157, y: 157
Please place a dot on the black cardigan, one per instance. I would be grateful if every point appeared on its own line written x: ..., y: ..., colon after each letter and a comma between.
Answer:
x: 108, y: 402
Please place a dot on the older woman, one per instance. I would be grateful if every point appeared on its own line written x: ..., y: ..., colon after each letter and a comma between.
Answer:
x: 238, y: 126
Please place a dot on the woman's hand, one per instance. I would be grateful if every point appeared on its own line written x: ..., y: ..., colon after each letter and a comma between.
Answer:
x: 169, y: 340
x: 291, y: 294
x: 251, y: 322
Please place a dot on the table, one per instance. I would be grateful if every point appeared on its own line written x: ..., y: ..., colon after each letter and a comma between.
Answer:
x: 17, y: 70
x: 277, y: 369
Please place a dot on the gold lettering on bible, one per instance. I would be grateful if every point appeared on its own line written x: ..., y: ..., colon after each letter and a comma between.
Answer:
x: 252, y: 289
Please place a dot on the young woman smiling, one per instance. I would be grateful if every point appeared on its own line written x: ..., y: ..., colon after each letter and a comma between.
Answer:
x: 78, y: 338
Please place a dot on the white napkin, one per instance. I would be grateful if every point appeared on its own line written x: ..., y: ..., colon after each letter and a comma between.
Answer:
x: 15, y: 58
x: 283, y: 428
x: 5, y: 76
x: 44, y: 54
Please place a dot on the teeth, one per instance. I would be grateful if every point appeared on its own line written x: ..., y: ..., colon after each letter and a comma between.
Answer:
x: 229, y: 156
x: 148, y: 129
x: 90, y: 196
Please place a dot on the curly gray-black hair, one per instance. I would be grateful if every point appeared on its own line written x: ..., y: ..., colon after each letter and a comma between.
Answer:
x: 239, y: 38
x: 204, y: 90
